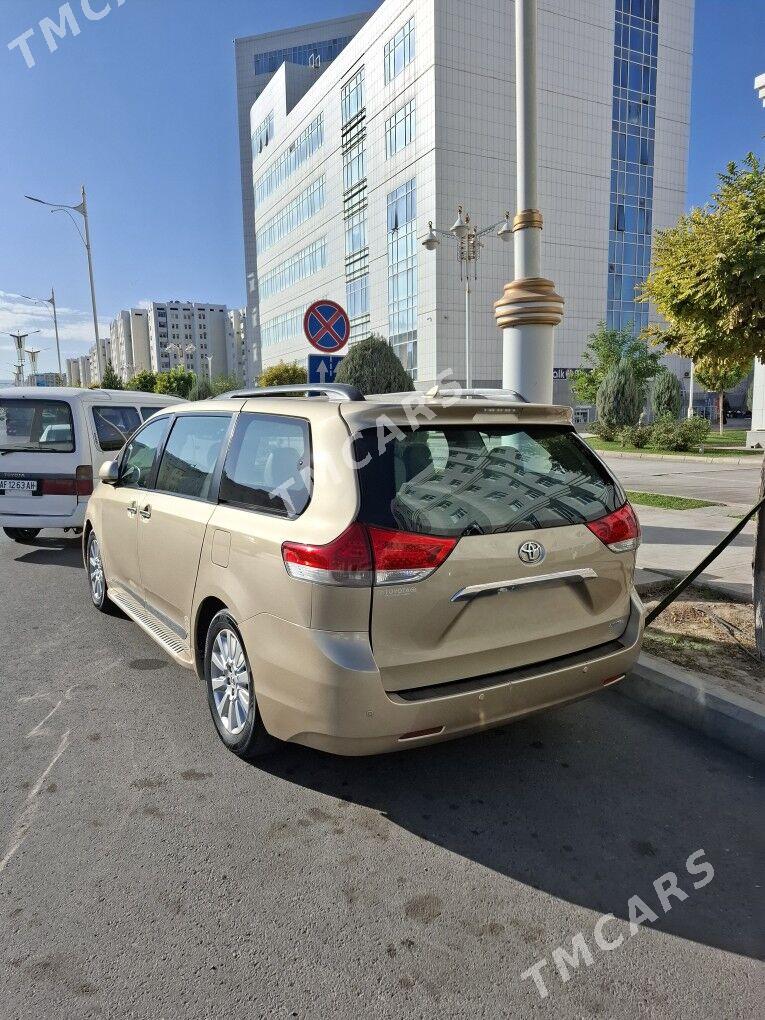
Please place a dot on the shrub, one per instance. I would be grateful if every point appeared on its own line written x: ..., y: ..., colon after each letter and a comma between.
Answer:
x: 225, y: 383
x: 695, y: 430
x: 177, y: 382
x: 669, y: 434
x: 620, y: 397
x: 635, y: 435
x: 666, y: 395
x: 110, y: 381
x: 604, y: 430
x: 283, y: 373
x: 371, y: 366
x: 143, y: 381
x: 201, y: 390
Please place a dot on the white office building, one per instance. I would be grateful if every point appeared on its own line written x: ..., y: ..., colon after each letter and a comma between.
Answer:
x: 129, y: 342
x: 193, y: 334
x: 73, y: 372
x: 363, y: 131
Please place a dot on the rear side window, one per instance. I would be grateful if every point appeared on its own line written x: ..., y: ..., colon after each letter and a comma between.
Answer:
x: 268, y: 467
x: 138, y: 459
x: 115, y: 424
x: 459, y: 480
x: 191, y: 453
x: 36, y: 425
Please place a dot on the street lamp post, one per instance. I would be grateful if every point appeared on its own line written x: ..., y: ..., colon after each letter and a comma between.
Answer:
x: 469, y: 244
x: 529, y: 309
x: 19, y: 339
x: 209, y: 360
x: 82, y: 209
x: 52, y: 302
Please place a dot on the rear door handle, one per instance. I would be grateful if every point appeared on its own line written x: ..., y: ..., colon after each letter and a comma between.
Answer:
x: 494, y: 588
x: 132, y: 509
x: 145, y: 512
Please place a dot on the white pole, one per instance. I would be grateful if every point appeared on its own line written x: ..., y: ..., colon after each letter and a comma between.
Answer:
x: 99, y: 359
x: 529, y: 309
x: 690, y: 394
x: 468, y: 367
x: 55, y: 329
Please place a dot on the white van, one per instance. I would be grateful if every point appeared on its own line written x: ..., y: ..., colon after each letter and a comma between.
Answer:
x: 53, y: 440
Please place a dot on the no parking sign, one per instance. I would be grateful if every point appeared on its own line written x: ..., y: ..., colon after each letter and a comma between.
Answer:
x: 326, y: 326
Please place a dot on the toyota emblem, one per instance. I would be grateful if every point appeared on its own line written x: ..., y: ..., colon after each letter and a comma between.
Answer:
x: 531, y: 552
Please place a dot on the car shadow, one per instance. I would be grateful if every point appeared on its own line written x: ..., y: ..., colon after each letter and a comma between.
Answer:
x: 56, y: 552
x: 590, y: 803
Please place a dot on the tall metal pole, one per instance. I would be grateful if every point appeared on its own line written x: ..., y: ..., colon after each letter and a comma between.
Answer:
x: 52, y: 302
x: 468, y: 367
x: 99, y: 359
x: 529, y: 309
x: 690, y: 394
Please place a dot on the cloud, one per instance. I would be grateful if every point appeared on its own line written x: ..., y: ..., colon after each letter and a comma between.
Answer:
x: 17, y: 315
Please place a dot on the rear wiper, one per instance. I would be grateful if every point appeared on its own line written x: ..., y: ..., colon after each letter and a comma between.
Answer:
x: 472, y: 529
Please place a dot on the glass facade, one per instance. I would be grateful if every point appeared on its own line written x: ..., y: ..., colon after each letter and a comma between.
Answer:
x: 282, y: 327
x: 304, y: 146
x: 352, y: 96
x: 399, y: 129
x: 402, y: 274
x: 357, y: 296
x: 353, y: 165
x: 309, y: 55
x: 303, y: 263
x: 399, y: 51
x: 262, y: 135
x: 632, y: 159
x: 300, y: 209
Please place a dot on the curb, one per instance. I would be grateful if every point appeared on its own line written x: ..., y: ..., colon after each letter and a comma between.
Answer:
x: 680, y: 457
x: 692, y: 699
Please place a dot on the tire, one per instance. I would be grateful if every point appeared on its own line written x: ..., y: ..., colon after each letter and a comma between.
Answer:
x: 99, y: 590
x: 227, y: 669
x: 22, y: 534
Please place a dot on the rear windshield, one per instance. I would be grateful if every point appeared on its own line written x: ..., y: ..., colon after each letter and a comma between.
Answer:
x: 457, y: 480
x: 36, y: 426
x: 115, y: 424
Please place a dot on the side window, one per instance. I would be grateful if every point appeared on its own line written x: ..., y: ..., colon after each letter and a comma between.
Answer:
x: 115, y: 425
x: 189, y: 459
x: 147, y: 412
x: 138, y: 458
x: 268, y: 466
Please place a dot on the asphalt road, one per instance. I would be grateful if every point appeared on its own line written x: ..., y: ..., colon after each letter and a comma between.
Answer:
x: 720, y: 482
x: 148, y: 873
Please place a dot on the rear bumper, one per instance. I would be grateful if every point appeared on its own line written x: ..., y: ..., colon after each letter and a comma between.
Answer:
x: 37, y: 520
x: 324, y: 690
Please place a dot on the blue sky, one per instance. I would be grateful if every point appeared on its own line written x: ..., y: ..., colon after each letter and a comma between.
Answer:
x: 140, y: 106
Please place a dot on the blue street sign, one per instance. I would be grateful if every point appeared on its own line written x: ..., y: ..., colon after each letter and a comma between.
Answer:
x: 322, y: 367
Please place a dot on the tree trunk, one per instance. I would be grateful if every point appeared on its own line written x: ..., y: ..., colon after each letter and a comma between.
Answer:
x: 758, y: 591
x: 720, y: 399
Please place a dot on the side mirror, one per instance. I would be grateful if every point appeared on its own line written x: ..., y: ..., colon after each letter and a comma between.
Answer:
x: 109, y: 472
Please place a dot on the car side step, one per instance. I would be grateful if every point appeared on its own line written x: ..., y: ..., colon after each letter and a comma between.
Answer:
x: 146, y: 620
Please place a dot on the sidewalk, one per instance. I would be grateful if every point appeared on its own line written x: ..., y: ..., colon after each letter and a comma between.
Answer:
x: 675, y: 541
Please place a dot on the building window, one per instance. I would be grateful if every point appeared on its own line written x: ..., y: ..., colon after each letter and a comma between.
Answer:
x: 353, y: 165
x: 352, y: 96
x: 399, y: 51
x: 262, y: 135
x: 356, y: 232
x: 399, y: 129
x: 282, y: 327
x: 300, y: 150
x: 300, y: 209
x: 633, y: 120
x: 297, y: 267
x: 402, y: 274
x: 309, y: 55
x: 357, y: 296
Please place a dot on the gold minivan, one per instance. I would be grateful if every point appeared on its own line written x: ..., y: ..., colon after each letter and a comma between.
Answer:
x: 362, y: 575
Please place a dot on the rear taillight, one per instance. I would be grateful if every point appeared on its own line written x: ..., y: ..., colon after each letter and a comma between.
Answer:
x: 83, y: 480
x: 620, y: 531
x: 363, y: 556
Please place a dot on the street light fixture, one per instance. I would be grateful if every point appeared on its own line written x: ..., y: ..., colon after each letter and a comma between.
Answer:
x: 469, y: 244
x: 52, y: 302
x: 82, y: 209
x: 19, y: 339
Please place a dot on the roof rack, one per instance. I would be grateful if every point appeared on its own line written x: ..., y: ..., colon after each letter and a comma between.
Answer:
x: 510, y: 396
x: 339, y: 390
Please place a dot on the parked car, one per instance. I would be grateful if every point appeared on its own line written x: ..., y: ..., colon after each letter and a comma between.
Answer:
x: 344, y: 579
x: 52, y: 439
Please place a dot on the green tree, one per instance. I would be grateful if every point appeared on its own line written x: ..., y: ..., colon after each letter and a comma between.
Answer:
x: 283, y: 373
x: 143, y: 381
x: 605, y: 349
x: 718, y: 376
x: 225, y: 383
x: 666, y: 394
x: 177, y: 382
x: 620, y: 398
x: 372, y: 366
x: 110, y: 381
x: 201, y: 390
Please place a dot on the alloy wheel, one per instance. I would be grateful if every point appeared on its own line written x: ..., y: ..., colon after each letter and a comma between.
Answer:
x: 230, y: 681
x: 96, y: 572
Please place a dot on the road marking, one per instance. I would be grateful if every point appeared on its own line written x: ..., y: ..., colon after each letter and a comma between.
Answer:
x: 24, y: 822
